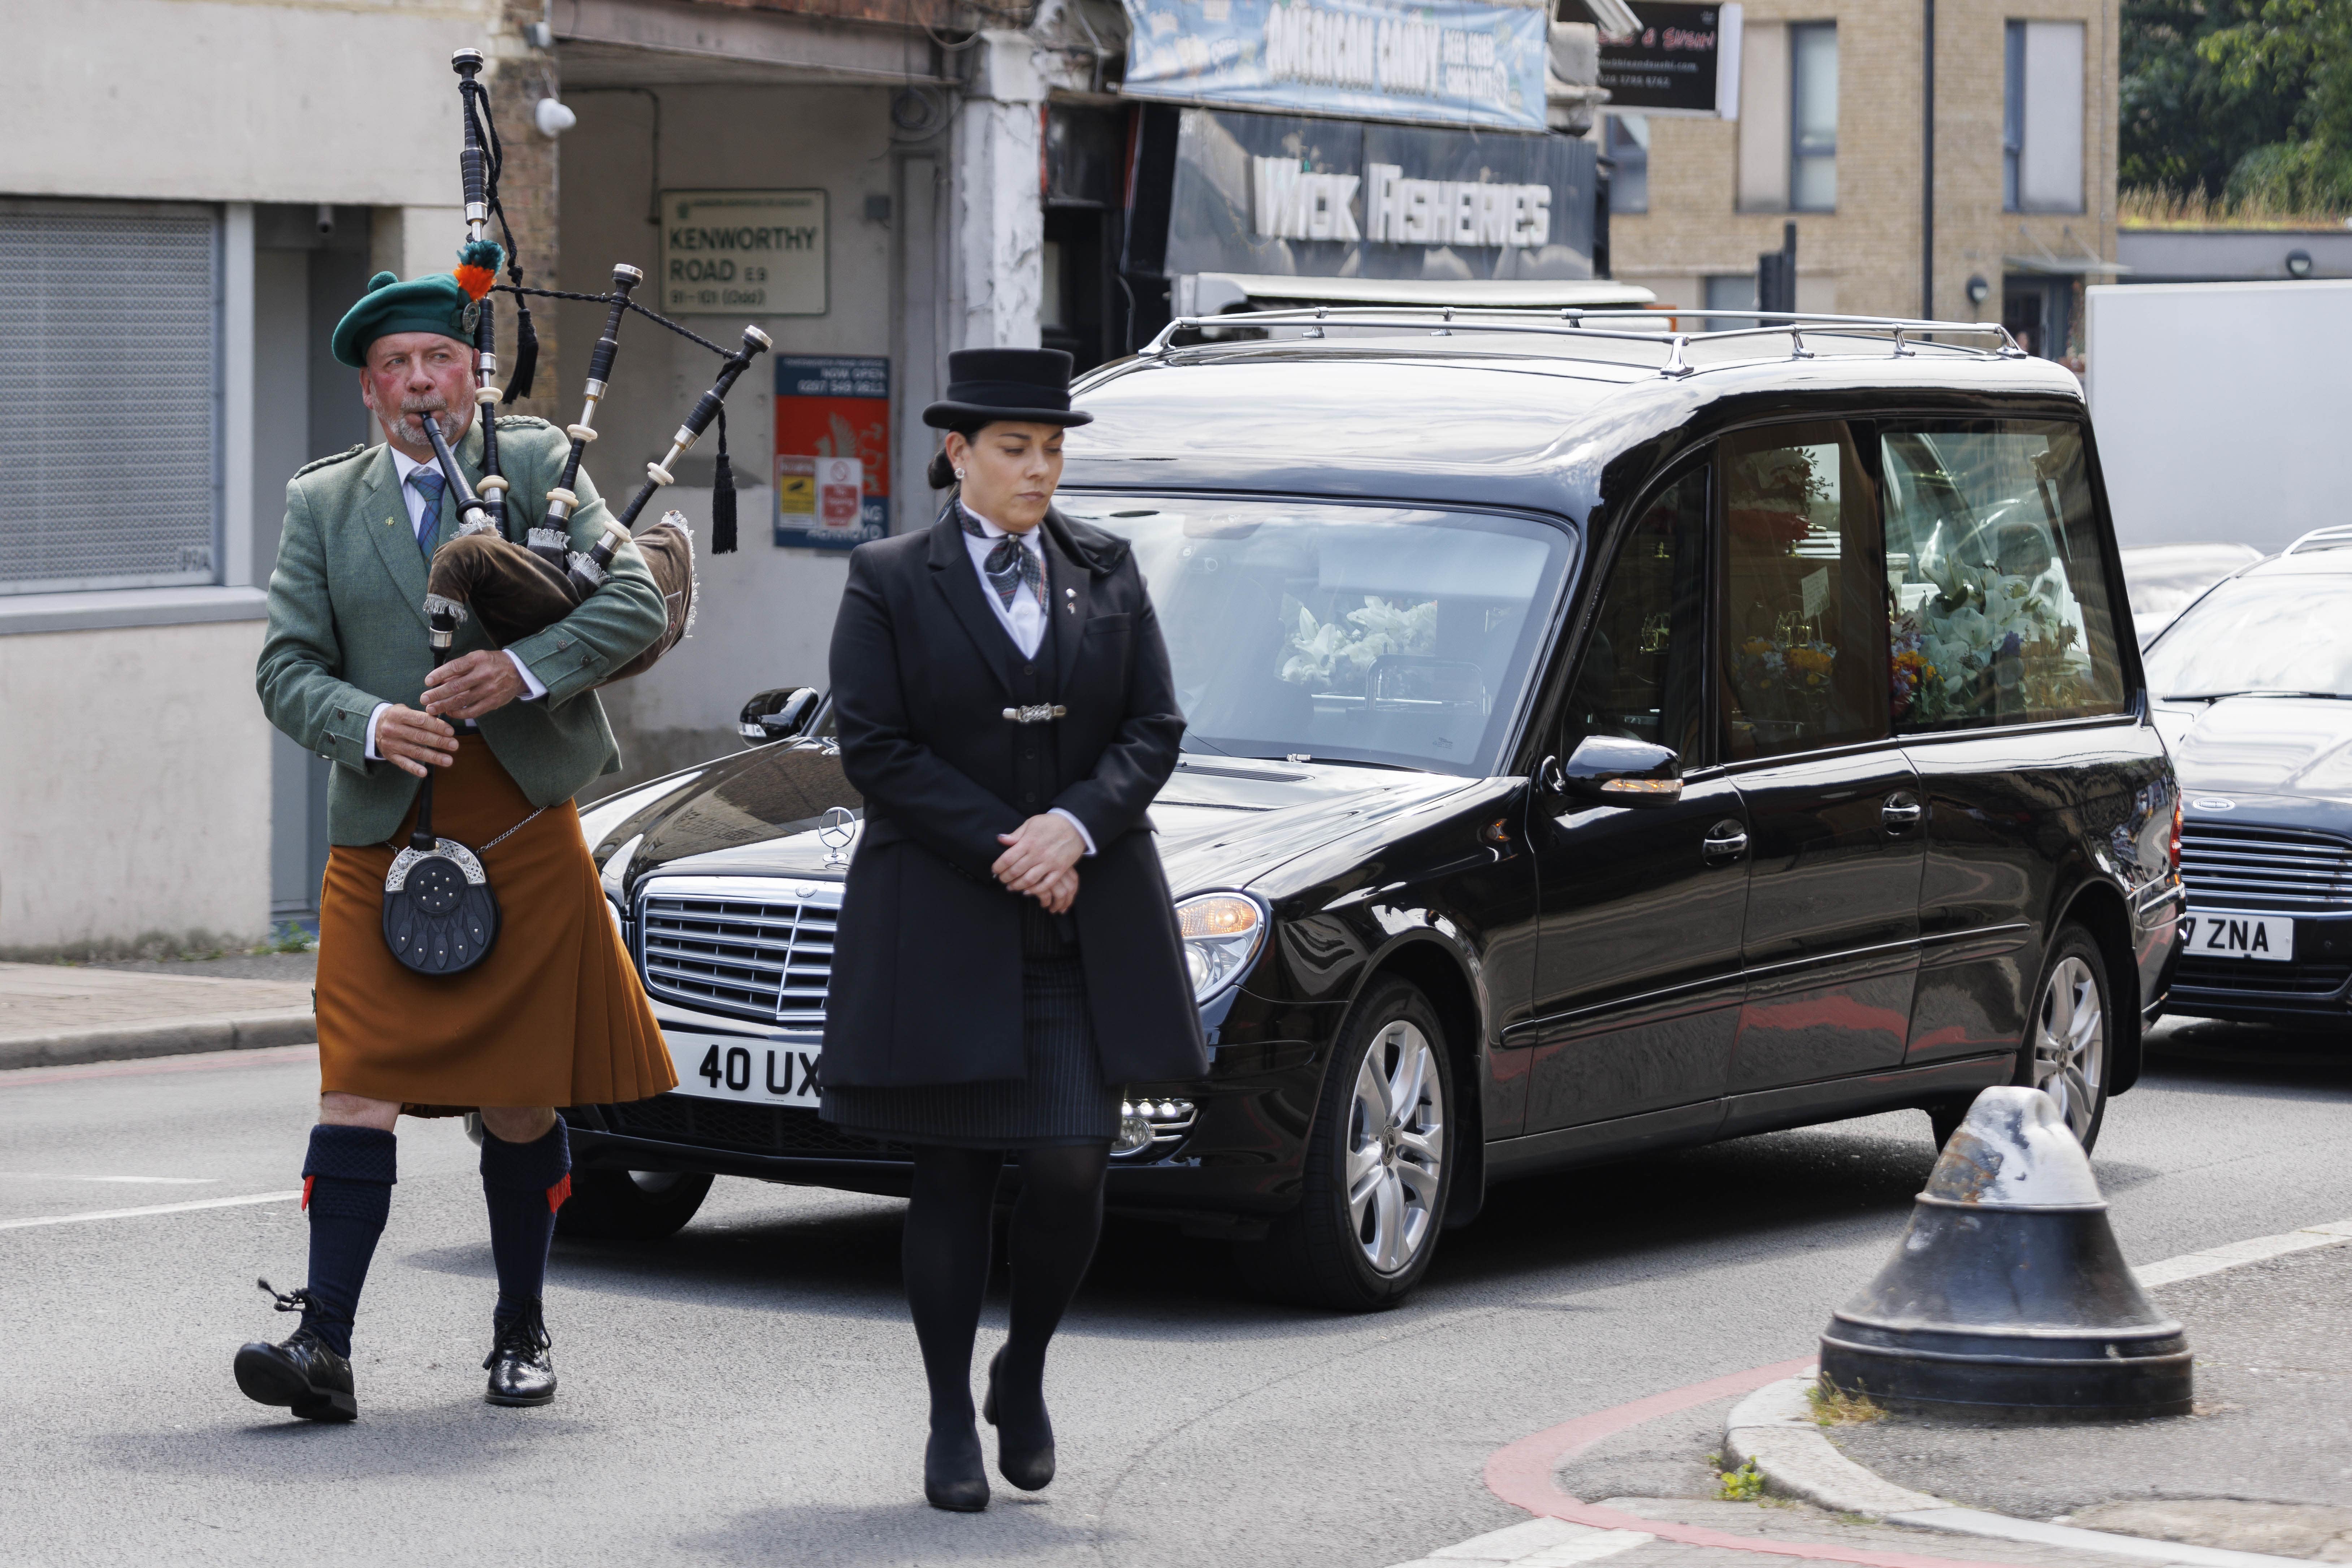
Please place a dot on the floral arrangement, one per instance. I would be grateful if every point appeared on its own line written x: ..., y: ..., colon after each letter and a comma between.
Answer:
x: 1766, y: 665
x: 1912, y: 669
x: 1349, y: 643
x: 1986, y: 642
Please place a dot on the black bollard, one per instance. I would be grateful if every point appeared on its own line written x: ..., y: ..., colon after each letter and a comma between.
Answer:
x: 2007, y: 1296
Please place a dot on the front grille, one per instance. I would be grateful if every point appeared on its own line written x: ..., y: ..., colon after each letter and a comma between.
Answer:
x: 2231, y: 868
x: 2250, y: 977
x: 753, y: 947
x: 753, y: 1129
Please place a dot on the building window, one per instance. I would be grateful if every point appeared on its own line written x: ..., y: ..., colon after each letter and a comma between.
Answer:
x: 1628, y: 150
x: 1812, y: 116
x: 109, y: 401
x: 1730, y: 291
x: 2042, y: 118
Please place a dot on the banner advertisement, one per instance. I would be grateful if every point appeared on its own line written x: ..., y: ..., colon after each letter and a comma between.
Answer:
x: 1451, y: 62
x: 1262, y: 193
x: 1684, y: 60
x: 833, y: 450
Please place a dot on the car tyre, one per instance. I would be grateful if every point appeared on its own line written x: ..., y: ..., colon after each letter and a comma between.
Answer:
x: 2068, y: 1051
x: 630, y: 1206
x: 1379, y: 1167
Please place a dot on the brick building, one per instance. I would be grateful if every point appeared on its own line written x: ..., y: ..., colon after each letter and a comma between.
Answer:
x: 1830, y: 135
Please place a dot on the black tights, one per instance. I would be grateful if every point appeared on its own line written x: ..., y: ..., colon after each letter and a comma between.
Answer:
x: 945, y: 1258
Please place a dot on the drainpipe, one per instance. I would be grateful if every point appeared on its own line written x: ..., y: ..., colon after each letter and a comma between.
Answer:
x: 1927, y: 162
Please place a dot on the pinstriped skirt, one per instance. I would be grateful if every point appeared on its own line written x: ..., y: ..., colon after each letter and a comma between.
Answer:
x: 1061, y: 1098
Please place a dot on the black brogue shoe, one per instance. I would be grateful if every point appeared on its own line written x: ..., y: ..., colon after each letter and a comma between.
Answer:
x: 304, y: 1373
x: 521, y: 1371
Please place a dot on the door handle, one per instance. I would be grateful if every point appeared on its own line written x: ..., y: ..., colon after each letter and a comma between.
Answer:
x: 1724, y: 841
x: 1901, y: 813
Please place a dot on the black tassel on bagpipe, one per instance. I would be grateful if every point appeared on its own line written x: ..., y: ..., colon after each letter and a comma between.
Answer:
x: 722, y: 496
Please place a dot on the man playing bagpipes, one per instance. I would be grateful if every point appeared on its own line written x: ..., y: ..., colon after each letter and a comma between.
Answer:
x: 546, y: 1010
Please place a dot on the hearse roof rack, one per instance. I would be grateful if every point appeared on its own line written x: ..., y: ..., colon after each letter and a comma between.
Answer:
x: 1657, y: 326
x: 2331, y: 538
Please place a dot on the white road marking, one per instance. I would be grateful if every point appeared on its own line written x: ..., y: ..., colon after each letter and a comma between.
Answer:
x: 131, y: 1180
x: 2213, y: 1259
x: 1537, y: 1544
x: 158, y: 1208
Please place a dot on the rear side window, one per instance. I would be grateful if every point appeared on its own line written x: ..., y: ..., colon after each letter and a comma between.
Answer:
x: 1998, y: 597
x: 1803, y: 646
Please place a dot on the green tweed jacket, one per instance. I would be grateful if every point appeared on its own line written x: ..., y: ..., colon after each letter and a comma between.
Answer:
x: 347, y: 629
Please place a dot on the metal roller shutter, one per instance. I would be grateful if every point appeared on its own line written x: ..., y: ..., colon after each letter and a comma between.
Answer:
x: 110, y: 395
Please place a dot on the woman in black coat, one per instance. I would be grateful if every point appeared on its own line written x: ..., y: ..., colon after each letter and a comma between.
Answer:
x: 1007, y: 954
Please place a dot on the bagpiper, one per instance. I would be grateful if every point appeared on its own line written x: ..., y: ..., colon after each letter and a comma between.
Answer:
x: 551, y: 1014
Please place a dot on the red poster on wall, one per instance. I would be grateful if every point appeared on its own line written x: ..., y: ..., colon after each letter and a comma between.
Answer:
x: 833, y: 450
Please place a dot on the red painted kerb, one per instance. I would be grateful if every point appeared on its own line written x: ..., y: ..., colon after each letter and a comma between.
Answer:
x: 1521, y: 1475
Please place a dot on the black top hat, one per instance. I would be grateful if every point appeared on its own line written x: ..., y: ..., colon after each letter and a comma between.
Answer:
x: 1030, y: 385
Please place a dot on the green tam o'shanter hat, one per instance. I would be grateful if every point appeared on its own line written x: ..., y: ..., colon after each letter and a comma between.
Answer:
x: 448, y: 303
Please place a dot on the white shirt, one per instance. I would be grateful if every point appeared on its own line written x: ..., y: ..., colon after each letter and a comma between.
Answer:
x: 533, y: 688
x: 1025, y: 619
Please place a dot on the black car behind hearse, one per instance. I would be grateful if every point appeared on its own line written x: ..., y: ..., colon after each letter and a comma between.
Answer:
x: 2253, y: 686
x: 1601, y: 738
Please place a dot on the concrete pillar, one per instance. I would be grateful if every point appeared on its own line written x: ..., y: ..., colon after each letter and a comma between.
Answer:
x: 999, y: 213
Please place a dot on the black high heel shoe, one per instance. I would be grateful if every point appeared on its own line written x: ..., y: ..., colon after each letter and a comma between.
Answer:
x: 1030, y: 1467
x: 955, y: 1476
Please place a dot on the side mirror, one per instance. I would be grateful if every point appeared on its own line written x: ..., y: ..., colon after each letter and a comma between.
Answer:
x: 1617, y: 771
x: 777, y: 715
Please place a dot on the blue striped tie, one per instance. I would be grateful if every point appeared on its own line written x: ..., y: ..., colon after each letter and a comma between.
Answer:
x: 429, y: 484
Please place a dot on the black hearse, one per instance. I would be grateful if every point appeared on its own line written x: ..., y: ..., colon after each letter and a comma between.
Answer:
x: 1602, y: 737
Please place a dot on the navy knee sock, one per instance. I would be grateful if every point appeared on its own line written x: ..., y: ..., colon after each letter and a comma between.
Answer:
x: 524, y: 1184
x: 347, y: 1184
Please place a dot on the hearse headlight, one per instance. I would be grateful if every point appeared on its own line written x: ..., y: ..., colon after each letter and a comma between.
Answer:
x: 1221, y: 933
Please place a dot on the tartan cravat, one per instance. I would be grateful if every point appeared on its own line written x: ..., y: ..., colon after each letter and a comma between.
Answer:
x: 1009, y: 565
x: 429, y: 484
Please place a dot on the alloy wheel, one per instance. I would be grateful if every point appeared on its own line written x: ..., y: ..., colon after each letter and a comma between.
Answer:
x: 1396, y: 1140
x: 2070, y: 1043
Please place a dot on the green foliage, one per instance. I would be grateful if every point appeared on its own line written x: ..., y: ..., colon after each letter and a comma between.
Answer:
x: 286, y: 937
x: 1745, y: 1484
x: 2248, y: 101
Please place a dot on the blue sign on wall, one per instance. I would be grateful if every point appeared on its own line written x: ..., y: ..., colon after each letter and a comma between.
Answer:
x: 1451, y: 62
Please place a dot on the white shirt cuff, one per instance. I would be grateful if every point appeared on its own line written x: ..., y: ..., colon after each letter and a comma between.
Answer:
x: 533, y: 687
x: 376, y: 718
x: 1084, y: 836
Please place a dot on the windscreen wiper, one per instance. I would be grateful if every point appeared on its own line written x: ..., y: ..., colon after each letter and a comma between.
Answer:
x: 2252, y: 691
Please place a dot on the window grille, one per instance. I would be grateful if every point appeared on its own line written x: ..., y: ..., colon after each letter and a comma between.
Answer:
x: 110, y: 395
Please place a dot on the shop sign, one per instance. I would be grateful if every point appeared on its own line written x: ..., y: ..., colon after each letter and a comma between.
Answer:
x: 1684, y: 60
x: 833, y: 450
x: 1272, y: 195
x: 1431, y: 62
x: 743, y: 253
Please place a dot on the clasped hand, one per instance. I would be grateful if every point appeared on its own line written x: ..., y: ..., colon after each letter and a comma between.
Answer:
x: 1041, y: 861
x: 466, y: 687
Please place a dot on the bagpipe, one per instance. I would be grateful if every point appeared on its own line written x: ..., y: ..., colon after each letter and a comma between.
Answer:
x: 440, y: 916
x: 518, y: 588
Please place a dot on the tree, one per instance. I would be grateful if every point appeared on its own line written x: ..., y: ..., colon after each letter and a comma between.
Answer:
x: 2242, y: 99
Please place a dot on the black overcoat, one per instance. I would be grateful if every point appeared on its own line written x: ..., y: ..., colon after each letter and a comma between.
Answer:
x: 926, y: 983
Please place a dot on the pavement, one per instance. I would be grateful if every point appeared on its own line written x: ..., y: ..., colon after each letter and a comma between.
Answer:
x: 57, y: 1014
x: 747, y: 1391
x: 2263, y: 1464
